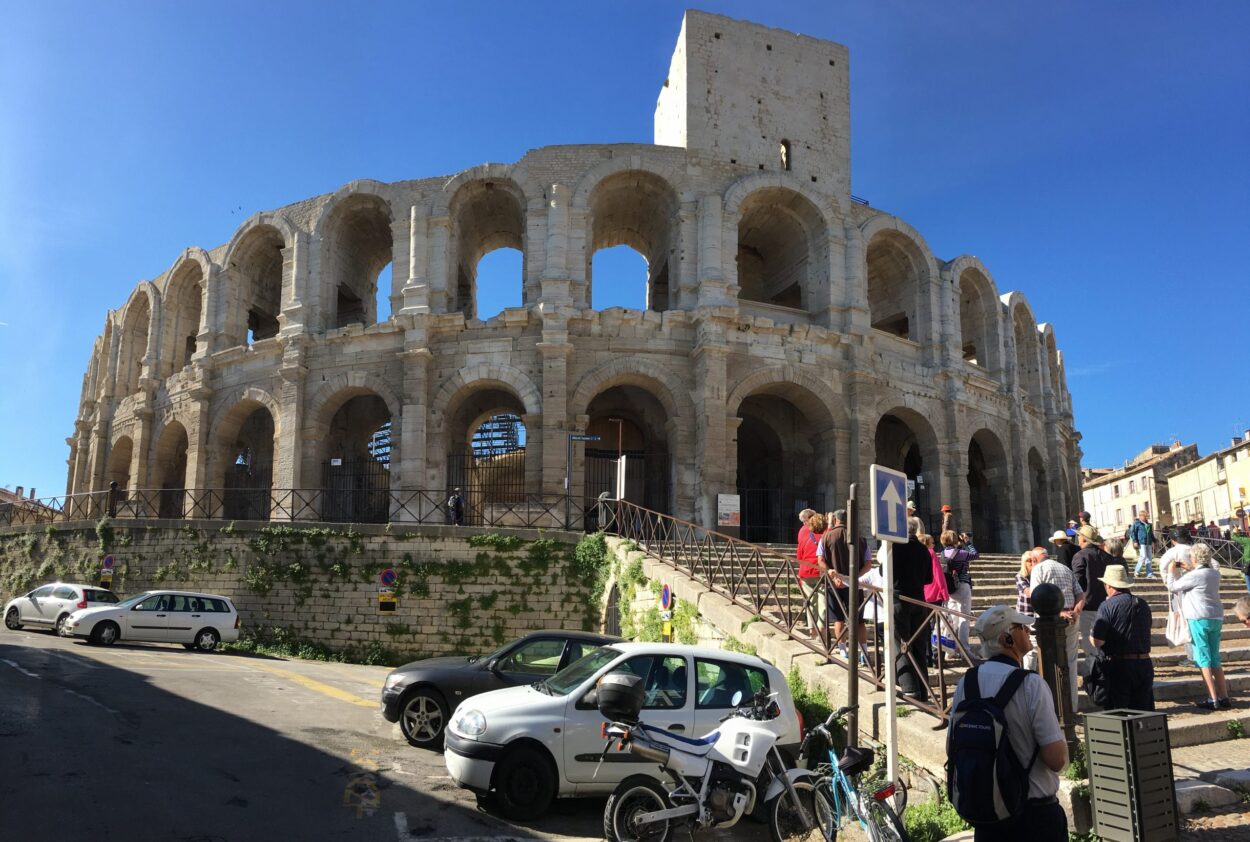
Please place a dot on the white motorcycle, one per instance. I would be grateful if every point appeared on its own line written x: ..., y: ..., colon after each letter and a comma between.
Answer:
x: 716, y: 779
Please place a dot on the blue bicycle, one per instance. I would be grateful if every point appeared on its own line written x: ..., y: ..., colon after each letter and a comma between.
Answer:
x: 841, y: 796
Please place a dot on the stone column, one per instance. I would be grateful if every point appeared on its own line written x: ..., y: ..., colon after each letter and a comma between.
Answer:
x: 844, y: 465
x: 71, y: 464
x: 714, y: 453
x: 713, y: 285
x: 683, y: 269
x: 557, y: 285
x: 288, y: 456
x: 296, y: 280
x: 141, y: 452
x: 201, y: 496
x: 533, y: 452
x: 441, y: 297
x: 409, y: 504
x: 416, y: 292
x: 554, y: 350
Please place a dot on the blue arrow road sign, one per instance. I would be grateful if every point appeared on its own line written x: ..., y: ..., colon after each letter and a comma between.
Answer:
x: 889, y: 504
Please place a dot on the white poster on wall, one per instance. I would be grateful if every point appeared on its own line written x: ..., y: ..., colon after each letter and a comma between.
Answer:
x: 728, y: 510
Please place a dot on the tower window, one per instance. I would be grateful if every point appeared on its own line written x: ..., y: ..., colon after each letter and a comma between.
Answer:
x: 786, y: 158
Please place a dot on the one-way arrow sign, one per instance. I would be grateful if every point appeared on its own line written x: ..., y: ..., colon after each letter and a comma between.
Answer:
x: 889, y: 504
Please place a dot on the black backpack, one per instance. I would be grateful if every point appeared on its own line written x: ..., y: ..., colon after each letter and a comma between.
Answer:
x: 985, y: 780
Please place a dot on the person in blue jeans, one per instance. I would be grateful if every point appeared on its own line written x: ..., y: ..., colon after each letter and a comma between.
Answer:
x: 1142, y: 536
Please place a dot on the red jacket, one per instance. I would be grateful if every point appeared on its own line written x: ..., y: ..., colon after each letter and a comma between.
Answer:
x: 806, y: 554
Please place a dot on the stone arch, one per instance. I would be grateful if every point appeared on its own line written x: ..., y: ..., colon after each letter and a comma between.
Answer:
x: 255, y: 265
x: 905, y: 440
x: 121, y: 455
x: 243, y: 446
x: 978, y: 313
x: 787, y: 449
x: 484, y: 214
x: 517, y: 176
x: 1027, y: 343
x: 351, y: 419
x: 169, y: 468
x: 898, y: 268
x: 353, y: 233
x: 184, y: 290
x: 656, y: 377
x: 140, y: 331
x: 1054, y: 366
x: 782, y: 255
x: 506, y: 377
x: 989, y: 491
x: 333, y: 392
x: 638, y: 209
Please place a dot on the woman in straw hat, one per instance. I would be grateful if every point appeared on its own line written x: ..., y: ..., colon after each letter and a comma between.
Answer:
x: 1198, y: 583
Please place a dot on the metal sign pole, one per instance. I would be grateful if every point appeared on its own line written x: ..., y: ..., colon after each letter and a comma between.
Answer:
x: 891, y: 666
x: 852, y: 688
x: 568, y: 484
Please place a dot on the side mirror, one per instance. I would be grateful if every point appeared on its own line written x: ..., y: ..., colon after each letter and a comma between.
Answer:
x: 737, y: 698
x: 493, y: 665
x: 590, y: 701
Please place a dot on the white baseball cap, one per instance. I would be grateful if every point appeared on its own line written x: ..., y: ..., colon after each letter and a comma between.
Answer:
x: 994, y: 622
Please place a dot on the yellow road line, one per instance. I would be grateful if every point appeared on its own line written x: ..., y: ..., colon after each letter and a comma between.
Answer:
x: 316, y: 686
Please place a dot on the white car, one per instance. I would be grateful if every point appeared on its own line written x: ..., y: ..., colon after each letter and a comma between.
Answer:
x: 49, y: 606
x: 196, y: 620
x: 532, y: 744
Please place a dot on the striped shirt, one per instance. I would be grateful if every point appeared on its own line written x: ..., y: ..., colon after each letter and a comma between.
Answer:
x: 1052, y: 572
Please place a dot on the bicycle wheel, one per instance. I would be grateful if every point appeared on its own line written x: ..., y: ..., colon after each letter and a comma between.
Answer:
x: 826, y: 810
x: 884, y: 824
x: 786, y: 823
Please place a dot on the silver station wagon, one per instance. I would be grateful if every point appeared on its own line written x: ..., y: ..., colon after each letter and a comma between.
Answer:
x: 196, y: 620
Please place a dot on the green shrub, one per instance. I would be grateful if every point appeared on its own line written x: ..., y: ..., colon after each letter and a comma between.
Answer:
x: 932, y: 820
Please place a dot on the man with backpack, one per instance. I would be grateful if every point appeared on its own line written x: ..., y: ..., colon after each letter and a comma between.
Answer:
x: 1004, y: 746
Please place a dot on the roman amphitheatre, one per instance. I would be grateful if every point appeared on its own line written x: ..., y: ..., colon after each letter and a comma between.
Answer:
x: 792, y: 336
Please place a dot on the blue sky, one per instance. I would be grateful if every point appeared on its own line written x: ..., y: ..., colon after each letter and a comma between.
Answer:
x: 1093, y: 155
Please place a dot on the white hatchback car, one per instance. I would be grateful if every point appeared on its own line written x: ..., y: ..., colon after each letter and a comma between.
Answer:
x: 531, y: 744
x: 196, y: 620
x: 49, y: 606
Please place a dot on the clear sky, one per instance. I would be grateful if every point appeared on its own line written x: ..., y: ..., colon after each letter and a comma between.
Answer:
x: 1093, y: 155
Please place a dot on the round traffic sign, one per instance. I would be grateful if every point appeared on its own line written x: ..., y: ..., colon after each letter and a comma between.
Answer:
x: 108, y: 562
x: 388, y: 576
x: 666, y: 598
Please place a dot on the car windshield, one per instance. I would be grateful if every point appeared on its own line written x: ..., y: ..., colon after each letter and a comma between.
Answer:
x: 134, y: 600
x: 568, y: 679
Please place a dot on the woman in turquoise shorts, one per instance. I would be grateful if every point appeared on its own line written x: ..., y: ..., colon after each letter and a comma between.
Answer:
x: 1198, y: 583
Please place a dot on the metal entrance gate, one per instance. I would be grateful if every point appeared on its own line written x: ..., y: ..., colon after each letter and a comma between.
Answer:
x: 246, y: 495
x: 486, y: 480
x: 646, y: 478
x: 771, y: 515
x: 355, y: 491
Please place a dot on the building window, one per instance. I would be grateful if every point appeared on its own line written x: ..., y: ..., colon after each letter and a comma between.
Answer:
x: 1115, y: 491
x: 1119, y: 517
x: 787, y: 162
x: 1134, y: 511
x: 1132, y: 486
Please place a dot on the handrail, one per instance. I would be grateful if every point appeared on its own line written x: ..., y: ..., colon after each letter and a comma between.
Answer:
x: 309, y: 504
x: 766, y: 583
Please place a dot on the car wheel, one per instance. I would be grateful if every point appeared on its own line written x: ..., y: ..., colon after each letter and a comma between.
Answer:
x: 13, y: 620
x: 206, y: 640
x: 525, y: 783
x: 423, y: 718
x: 106, y: 634
x: 61, y: 629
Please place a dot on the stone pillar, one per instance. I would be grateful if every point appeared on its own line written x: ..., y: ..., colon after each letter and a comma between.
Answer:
x: 200, y: 495
x: 683, y: 268
x: 555, y: 350
x: 296, y: 280
x: 288, y: 455
x: 441, y: 298
x: 409, y: 504
x: 71, y: 464
x: 210, y: 339
x: 557, y: 285
x: 844, y: 456
x: 713, y: 289
x: 416, y: 291
x: 533, y: 452
x: 99, y: 456
x: 141, y: 452
x: 715, y: 470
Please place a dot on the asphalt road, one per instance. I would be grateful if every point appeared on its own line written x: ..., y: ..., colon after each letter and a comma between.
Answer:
x: 152, y: 742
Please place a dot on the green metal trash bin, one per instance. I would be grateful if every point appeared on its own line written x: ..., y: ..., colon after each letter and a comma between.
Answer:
x: 1132, y: 794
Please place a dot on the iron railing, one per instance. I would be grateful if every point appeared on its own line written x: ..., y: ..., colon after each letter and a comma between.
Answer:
x: 288, y: 505
x: 766, y: 583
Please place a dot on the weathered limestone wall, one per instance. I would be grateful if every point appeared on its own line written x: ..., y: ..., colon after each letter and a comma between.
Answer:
x: 466, y: 591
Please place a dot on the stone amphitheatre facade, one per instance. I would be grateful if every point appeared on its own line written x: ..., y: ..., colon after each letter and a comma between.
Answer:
x: 792, y: 336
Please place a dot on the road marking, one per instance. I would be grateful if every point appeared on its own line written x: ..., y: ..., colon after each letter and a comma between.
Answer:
x: 85, y: 663
x: 20, y: 669
x: 95, y: 702
x: 317, y: 686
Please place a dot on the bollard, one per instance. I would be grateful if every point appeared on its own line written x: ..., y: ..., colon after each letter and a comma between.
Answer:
x: 1051, y: 631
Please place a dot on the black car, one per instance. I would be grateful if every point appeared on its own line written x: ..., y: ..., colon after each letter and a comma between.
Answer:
x: 420, y: 696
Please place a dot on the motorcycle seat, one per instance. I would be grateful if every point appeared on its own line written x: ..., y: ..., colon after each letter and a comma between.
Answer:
x: 690, y: 745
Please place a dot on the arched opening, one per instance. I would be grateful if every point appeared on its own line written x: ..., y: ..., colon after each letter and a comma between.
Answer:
x: 488, y: 216
x: 1037, y: 485
x: 184, y: 303
x: 905, y: 442
x: 977, y: 308
x: 171, y: 470
x: 894, y: 285
x: 1028, y: 374
x: 622, y: 274
x: 256, y: 266
x: 989, y: 494
x: 119, y: 463
x: 631, y: 421
x: 134, y: 345
x: 356, y: 462
x: 780, y: 257
x: 486, y: 454
x: 636, y: 209
x: 246, y: 445
x: 785, y: 462
x: 383, y: 293
x: 357, y: 247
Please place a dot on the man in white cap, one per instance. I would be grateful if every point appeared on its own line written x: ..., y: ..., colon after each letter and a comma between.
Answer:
x: 1032, y: 726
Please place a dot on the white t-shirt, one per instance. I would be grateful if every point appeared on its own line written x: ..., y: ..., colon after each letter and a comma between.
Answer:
x: 1031, y: 720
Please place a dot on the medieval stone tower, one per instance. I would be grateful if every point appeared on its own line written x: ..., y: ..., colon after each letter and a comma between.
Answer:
x: 792, y: 335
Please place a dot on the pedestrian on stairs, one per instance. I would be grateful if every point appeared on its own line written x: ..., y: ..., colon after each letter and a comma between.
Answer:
x: 809, y: 568
x: 1122, y: 631
x: 1143, y: 537
x: 1048, y: 571
x: 1198, y: 582
x: 956, y: 560
x: 1088, y: 567
x: 1065, y: 549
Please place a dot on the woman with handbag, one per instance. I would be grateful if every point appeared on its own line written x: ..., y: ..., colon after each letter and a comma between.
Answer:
x: 1198, y: 584
x: 935, y: 593
x: 958, y: 581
